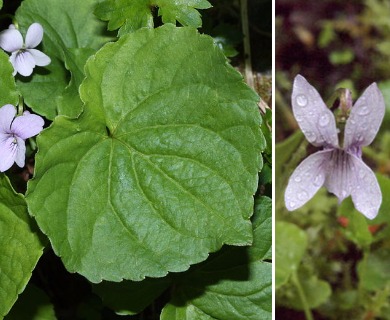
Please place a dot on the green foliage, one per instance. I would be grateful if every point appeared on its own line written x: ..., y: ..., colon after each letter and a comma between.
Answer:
x: 204, y: 295
x: 20, y: 245
x: 146, y: 170
x: 357, y: 228
x: 224, y: 287
x: 341, y: 57
x: 130, y: 16
x: 146, y: 185
x: 290, y: 246
x: 130, y: 297
x: 67, y: 49
x: 373, y: 270
x: 233, y: 283
x: 345, y: 252
x: 33, y: 304
x: 9, y: 93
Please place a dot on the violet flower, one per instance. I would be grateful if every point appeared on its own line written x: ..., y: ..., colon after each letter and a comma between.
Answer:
x: 340, y: 169
x: 23, y: 56
x: 13, y: 133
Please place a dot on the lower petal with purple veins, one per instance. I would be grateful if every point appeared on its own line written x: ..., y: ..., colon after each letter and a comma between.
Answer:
x: 366, y: 193
x: 8, y: 151
x: 24, y: 63
x: 20, y: 152
x: 340, y: 170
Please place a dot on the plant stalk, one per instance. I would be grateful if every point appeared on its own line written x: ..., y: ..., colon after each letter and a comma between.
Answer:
x: 301, y: 293
x: 247, y: 46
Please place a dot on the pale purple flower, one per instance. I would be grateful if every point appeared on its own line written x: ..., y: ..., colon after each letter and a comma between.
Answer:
x: 340, y: 169
x: 13, y: 133
x: 23, y: 55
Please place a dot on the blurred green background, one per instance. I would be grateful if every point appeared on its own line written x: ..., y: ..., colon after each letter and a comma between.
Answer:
x: 331, y: 262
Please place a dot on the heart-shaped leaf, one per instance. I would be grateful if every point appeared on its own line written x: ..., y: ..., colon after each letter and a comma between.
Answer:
x: 160, y: 169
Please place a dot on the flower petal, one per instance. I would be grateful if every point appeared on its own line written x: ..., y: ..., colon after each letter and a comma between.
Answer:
x: 12, y: 59
x: 7, y: 114
x: 24, y: 63
x: 11, y: 40
x: 316, y: 121
x: 34, y: 35
x: 307, y: 178
x: 365, y: 118
x: 20, y: 156
x: 366, y: 193
x: 27, y: 125
x: 8, y: 149
x: 40, y: 58
x: 339, y: 180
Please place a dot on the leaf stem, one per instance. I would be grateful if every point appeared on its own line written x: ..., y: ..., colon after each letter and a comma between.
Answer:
x: 20, y: 106
x: 247, y: 46
x: 301, y: 293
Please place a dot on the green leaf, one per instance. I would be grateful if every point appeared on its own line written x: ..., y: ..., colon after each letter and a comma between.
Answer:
x: 233, y: 283
x: 135, y: 14
x: 20, y: 247
x: 223, y: 290
x: 290, y: 246
x: 262, y: 230
x: 161, y: 167
x: 1, y: 4
x: 33, y: 304
x: 316, y: 292
x: 127, y: 15
x: 8, y: 92
x: 183, y: 11
x: 69, y: 103
x: 129, y: 297
x: 357, y: 227
x: 266, y: 128
x: 41, y: 91
x: 65, y: 31
x: 373, y: 270
x: 382, y: 220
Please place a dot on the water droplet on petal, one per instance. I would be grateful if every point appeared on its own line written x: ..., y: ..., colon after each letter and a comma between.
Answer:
x: 318, y: 180
x: 298, y: 179
x: 303, y: 195
x: 301, y: 100
x: 361, y: 174
x: 364, y: 110
x: 344, y: 193
x: 292, y: 204
x: 311, y: 137
x: 324, y: 120
x: 308, y: 174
